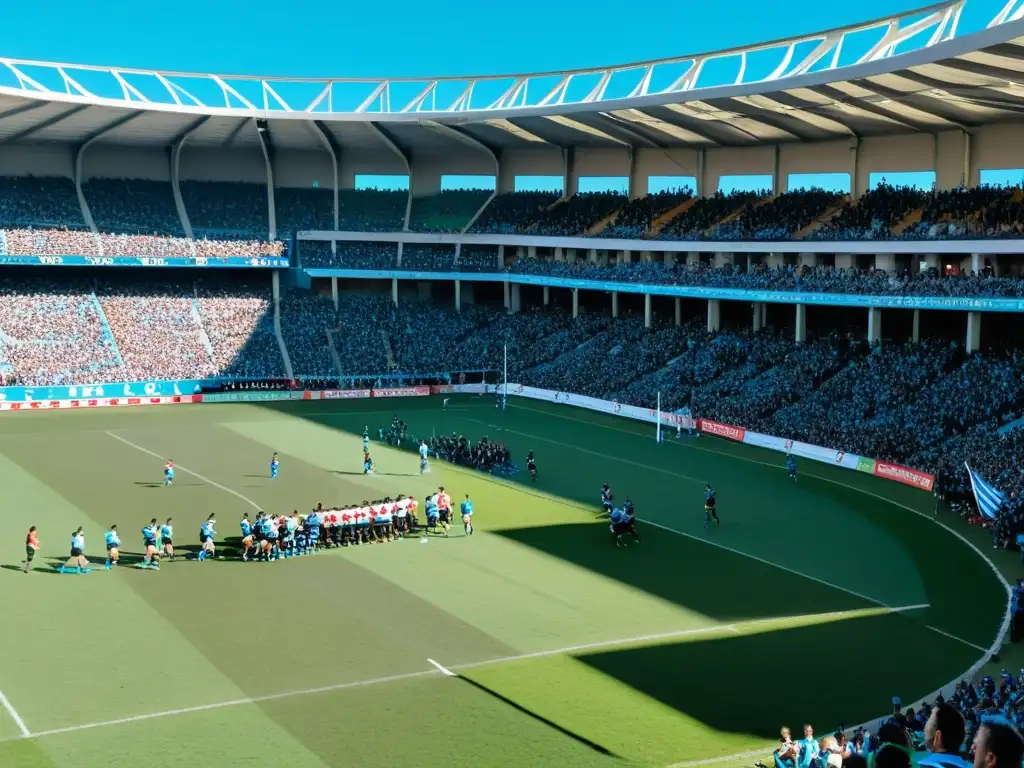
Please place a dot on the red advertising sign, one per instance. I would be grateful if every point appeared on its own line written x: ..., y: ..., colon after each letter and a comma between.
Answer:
x: 718, y: 429
x: 905, y: 475
x: 402, y: 392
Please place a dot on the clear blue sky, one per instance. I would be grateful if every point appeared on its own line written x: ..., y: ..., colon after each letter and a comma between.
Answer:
x: 412, y: 39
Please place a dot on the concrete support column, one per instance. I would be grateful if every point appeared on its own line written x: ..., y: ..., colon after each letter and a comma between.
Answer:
x: 874, y: 325
x: 575, y: 302
x: 885, y: 262
x: 458, y: 295
x: 615, y: 304
x: 808, y: 259
x: 570, y: 255
x: 531, y: 251
x: 501, y: 256
x: 508, y: 297
x: 669, y: 257
x: 916, y: 333
x: 517, y: 303
x: 758, y: 316
x: 801, y: 323
x: 692, y: 257
x: 976, y: 263
x: 647, y: 310
x: 559, y: 254
x: 627, y: 257
x: 679, y: 311
x: 547, y: 295
x: 844, y: 261
x: 592, y: 256
x: 973, y: 331
x: 723, y: 259
x: 931, y: 261
x: 775, y: 260
x: 394, y: 290
x: 334, y: 292
x: 714, y: 315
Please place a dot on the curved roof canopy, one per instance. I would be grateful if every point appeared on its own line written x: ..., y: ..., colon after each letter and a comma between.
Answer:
x: 900, y: 74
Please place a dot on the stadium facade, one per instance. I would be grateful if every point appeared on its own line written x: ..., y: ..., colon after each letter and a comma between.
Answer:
x: 918, y: 95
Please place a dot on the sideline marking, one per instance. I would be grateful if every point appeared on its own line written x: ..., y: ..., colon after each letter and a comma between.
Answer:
x: 25, y: 732
x: 691, y: 536
x: 958, y: 639
x: 443, y: 670
x: 438, y: 669
x: 1004, y: 627
x: 587, y: 450
x: 187, y: 471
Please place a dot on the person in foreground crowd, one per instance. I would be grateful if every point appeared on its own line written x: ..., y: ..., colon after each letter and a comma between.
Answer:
x: 943, y: 736
x: 998, y: 745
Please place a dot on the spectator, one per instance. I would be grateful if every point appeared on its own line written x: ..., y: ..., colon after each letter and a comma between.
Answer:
x: 943, y: 737
x: 998, y: 745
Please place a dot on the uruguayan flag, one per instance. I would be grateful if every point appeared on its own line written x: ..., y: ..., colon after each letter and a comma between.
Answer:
x: 989, y: 499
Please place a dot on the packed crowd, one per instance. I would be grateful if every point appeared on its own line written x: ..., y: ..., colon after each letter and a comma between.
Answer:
x: 637, y: 217
x: 980, y: 725
x: 779, y: 218
x: 133, y: 207
x: 903, y: 403
x: 514, y: 213
x: 697, y: 221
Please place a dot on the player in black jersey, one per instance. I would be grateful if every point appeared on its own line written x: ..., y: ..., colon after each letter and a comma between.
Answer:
x: 531, y: 465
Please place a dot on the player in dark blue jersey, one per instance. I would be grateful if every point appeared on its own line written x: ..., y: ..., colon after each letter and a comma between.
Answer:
x: 606, y: 498
x: 791, y: 467
x: 709, y: 506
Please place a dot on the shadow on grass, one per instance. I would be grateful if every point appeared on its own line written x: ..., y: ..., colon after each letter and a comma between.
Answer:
x: 756, y: 683
x: 35, y: 569
x: 707, y: 580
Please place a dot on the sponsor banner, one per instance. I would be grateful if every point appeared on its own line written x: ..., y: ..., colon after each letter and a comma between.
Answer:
x: 718, y: 429
x: 251, y: 396
x: 603, y: 406
x: 804, y: 450
x: 276, y: 262
x: 104, y: 402
x: 402, y: 392
x: 344, y: 394
x: 866, y: 465
x: 463, y: 389
x: 904, y: 475
x: 124, y: 389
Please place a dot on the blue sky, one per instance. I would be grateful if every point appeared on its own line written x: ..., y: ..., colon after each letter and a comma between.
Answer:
x: 451, y: 38
x: 412, y: 39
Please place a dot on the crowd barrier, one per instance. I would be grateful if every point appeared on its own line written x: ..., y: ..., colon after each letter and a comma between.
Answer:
x: 172, y: 392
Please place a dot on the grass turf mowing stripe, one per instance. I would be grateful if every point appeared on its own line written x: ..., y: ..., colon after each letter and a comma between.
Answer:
x: 187, y: 471
x: 453, y: 670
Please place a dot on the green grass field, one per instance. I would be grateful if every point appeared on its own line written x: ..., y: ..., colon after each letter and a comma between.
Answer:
x: 534, y: 643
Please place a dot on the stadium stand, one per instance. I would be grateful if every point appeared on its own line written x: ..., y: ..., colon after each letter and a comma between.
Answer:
x: 514, y: 212
x: 133, y: 207
x: 449, y: 211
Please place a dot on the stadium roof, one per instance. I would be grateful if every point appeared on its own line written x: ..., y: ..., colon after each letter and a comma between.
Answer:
x: 901, y: 74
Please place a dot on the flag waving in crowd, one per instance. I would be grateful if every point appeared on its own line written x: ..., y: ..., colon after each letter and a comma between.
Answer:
x: 989, y: 500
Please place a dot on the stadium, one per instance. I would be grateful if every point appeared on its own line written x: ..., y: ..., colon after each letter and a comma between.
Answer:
x: 770, y: 296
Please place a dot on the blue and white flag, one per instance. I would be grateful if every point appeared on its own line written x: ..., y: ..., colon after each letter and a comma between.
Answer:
x: 989, y: 499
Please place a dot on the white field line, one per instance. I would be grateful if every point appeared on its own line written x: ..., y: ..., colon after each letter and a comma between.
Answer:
x: 1005, y: 627
x: 187, y: 471
x: 690, y: 535
x: 25, y: 733
x: 437, y: 669
x: 442, y: 669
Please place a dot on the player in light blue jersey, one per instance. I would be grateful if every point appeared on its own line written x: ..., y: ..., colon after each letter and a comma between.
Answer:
x: 791, y: 467
x: 76, y: 563
x: 206, y: 535
x: 709, y: 506
x: 291, y: 526
x: 169, y: 472
x: 167, y: 538
x: 151, y: 558
x: 366, y: 439
x: 113, y: 547
x: 274, y: 465
x: 467, y: 515
x: 424, y: 452
x: 430, y: 508
x: 368, y: 465
x: 247, y: 538
x: 314, y: 520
